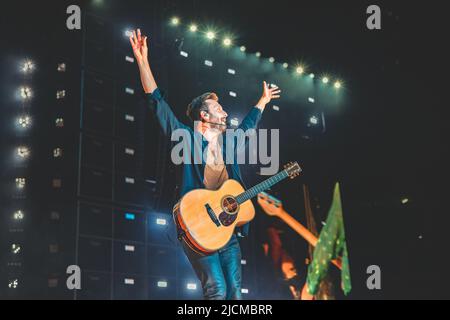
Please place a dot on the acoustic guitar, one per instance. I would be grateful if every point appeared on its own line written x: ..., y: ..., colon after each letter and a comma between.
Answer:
x: 206, y: 219
x: 273, y: 207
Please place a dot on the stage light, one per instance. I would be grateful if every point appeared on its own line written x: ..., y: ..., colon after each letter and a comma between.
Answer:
x: 26, y: 93
x: 59, y: 122
x: 129, y: 248
x: 191, y: 286
x: 130, y: 216
x: 28, y: 66
x: 285, y: 65
x: 310, y: 99
x: 243, y: 261
x: 24, y: 121
x: 162, y: 284
x: 20, y: 183
x: 60, y: 94
x: 57, y: 153
x: 258, y: 54
x: 161, y: 221
x: 15, y: 248
x: 243, y: 48
x: 276, y: 108
x: 405, y: 200
x: 128, y: 33
x: 232, y: 94
x: 300, y: 70
x: 208, y: 63
x: 23, y: 152
x: 61, y: 67
x: 244, y: 290
x: 18, y: 215
x: 234, y: 122
x: 227, y: 42
x: 271, y: 59
x: 175, y: 21
x: 337, y: 85
x: 314, y: 120
x: 231, y: 71
x: 210, y: 35
x: 193, y: 28
x: 325, y: 80
x: 312, y: 75
x: 13, y: 284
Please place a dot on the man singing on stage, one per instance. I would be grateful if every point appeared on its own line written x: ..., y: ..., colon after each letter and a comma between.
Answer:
x: 219, y: 272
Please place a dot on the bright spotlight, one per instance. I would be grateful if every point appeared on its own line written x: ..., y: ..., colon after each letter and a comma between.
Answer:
x: 191, y: 286
x: 18, y: 215
x: 24, y: 121
x: 13, y: 284
x: 128, y: 33
x: 161, y: 221
x: 210, y: 35
x: 314, y: 120
x: 258, y: 54
x: 337, y: 85
x: 193, y: 28
x: 271, y: 59
x: 26, y: 93
x: 27, y: 66
x: 312, y: 75
x: 299, y: 70
x: 227, y: 42
x: 20, y: 183
x: 325, y: 80
x: 23, y: 152
x: 285, y: 65
x: 243, y: 48
x: 175, y: 21
x: 15, y: 248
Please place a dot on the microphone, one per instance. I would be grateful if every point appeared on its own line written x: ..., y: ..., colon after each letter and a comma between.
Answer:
x: 227, y: 123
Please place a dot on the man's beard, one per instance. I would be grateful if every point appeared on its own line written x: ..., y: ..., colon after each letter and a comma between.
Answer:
x: 219, y: 127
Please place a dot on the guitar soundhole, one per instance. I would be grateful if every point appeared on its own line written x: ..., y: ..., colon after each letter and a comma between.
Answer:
x: 230, y: 209
x: 230, y: 205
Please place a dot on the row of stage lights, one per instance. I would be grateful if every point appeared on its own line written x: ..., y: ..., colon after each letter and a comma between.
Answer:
x: 23, y: 121
x: 227, y: 41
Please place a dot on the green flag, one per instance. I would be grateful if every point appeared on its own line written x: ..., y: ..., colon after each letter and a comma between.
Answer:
x: 330, y: 245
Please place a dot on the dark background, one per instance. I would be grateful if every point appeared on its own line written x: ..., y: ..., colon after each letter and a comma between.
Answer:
x: 386, y: 142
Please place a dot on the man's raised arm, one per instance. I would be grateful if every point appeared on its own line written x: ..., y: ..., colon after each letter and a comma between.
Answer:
x: 166, y: 117
x: 253, y: 117
x: 140, y: 50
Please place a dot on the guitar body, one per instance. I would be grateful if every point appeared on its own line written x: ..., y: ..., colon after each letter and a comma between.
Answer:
x: 207, y: 219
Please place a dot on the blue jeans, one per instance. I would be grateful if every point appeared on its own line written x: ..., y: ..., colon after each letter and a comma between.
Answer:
x: 220, y: 272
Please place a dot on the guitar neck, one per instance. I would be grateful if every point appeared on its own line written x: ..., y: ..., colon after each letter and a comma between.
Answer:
x: 305, y: 233
x: 260, y: 187
x: 298, y: 227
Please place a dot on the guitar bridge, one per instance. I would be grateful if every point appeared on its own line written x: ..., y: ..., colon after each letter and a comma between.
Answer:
x: 212, y: 215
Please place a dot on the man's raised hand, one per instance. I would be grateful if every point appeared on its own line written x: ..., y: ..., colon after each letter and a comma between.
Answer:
x: 267, y: 95
x: 270, y: 93
x: 139, y: 44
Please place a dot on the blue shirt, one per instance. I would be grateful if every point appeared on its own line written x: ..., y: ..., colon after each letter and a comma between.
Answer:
x: 193, y: 173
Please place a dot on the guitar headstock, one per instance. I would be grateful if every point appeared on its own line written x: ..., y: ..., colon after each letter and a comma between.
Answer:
x: 293, y: 169
x: 271, y: 205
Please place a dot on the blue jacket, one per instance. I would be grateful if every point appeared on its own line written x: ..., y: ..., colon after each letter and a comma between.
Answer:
x: 192, y: 177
